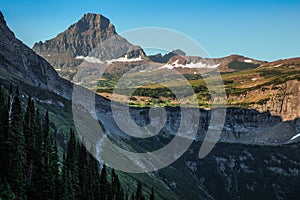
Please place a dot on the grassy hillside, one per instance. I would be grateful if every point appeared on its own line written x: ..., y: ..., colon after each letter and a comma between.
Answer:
x: 247, y: 77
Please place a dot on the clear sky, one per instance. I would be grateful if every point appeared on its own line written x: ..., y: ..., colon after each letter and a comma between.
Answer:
x: 266, y: 29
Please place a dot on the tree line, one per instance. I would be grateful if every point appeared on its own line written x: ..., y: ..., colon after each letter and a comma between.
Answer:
x: 31, y: 166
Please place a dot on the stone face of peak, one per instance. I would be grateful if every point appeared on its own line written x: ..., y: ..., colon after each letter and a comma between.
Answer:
x: 91, y: 23
x: 92, y: 36
x: 96, y: 21
x: 79, y: 39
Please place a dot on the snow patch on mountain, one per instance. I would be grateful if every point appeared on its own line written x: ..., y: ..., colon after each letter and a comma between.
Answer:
x: 198, y: 65
x: 124, y: 59
x: 98, y: 61
x: 90, y: 59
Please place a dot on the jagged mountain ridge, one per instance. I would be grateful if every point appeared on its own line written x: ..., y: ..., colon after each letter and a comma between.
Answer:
x: 165, y: 58
x: 92, y: 36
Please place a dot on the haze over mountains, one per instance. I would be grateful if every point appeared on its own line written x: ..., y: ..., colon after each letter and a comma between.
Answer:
x: 257, y: 155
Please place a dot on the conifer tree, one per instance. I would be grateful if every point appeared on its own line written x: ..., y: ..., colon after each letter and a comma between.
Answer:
x: 95, y: 177
x: 152, y: 197
x: 64, y: 186
x: 16, y: 150
x: 35, y: 188
x: 54, y: 172
x: 29, y: 140
x: 103, y: 183
x: 4, y: 133
x: 83, y: 172
x: 6, y: 191
x: 72, y: 164
x: 117, y: 192
x: 139, y: 192
x: 47, y: 185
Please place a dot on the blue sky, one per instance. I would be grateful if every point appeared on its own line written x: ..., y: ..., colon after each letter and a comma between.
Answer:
x: 266, y: 29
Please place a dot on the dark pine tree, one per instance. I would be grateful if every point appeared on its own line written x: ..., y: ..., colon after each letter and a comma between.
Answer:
x: 116, y: 189
x: 46, y: 179
x: 6, y: 191
x: 103, y: 183
x: 152, y: 197
x: 54, y: 172
x: 35, y: 189
x: 72, y: 165
x: 16, y: 150
x: 95, y: 178
x: 84, y: 180
x: 139, y: 191
x: 4, y: 133
x: 29, y: 141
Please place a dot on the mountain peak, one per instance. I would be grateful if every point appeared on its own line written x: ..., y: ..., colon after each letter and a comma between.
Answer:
x: 92, y: 15
x: 2, y: 20
x: 88, y: 32
x: 5, y: 32
x: 94, y: 21
x: 85, y: 38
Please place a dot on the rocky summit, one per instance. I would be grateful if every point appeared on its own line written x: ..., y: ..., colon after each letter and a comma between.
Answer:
x: 93, y: 36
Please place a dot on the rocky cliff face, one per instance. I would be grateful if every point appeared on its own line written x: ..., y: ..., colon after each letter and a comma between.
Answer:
x: 92, y: 36
x: 243, y: 126
x: 246, y: 172
x: 255, y: 156
x: 281, y: 100
x: 19, y: 60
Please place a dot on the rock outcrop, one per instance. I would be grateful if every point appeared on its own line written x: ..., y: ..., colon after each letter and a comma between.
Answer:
x: 165, y: 58
x: 280, y: 100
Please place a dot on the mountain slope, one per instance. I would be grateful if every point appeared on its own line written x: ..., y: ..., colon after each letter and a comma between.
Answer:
x: 18, y: 59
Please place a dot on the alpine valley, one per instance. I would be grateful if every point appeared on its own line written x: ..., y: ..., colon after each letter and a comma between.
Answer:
x: 256, y: 157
